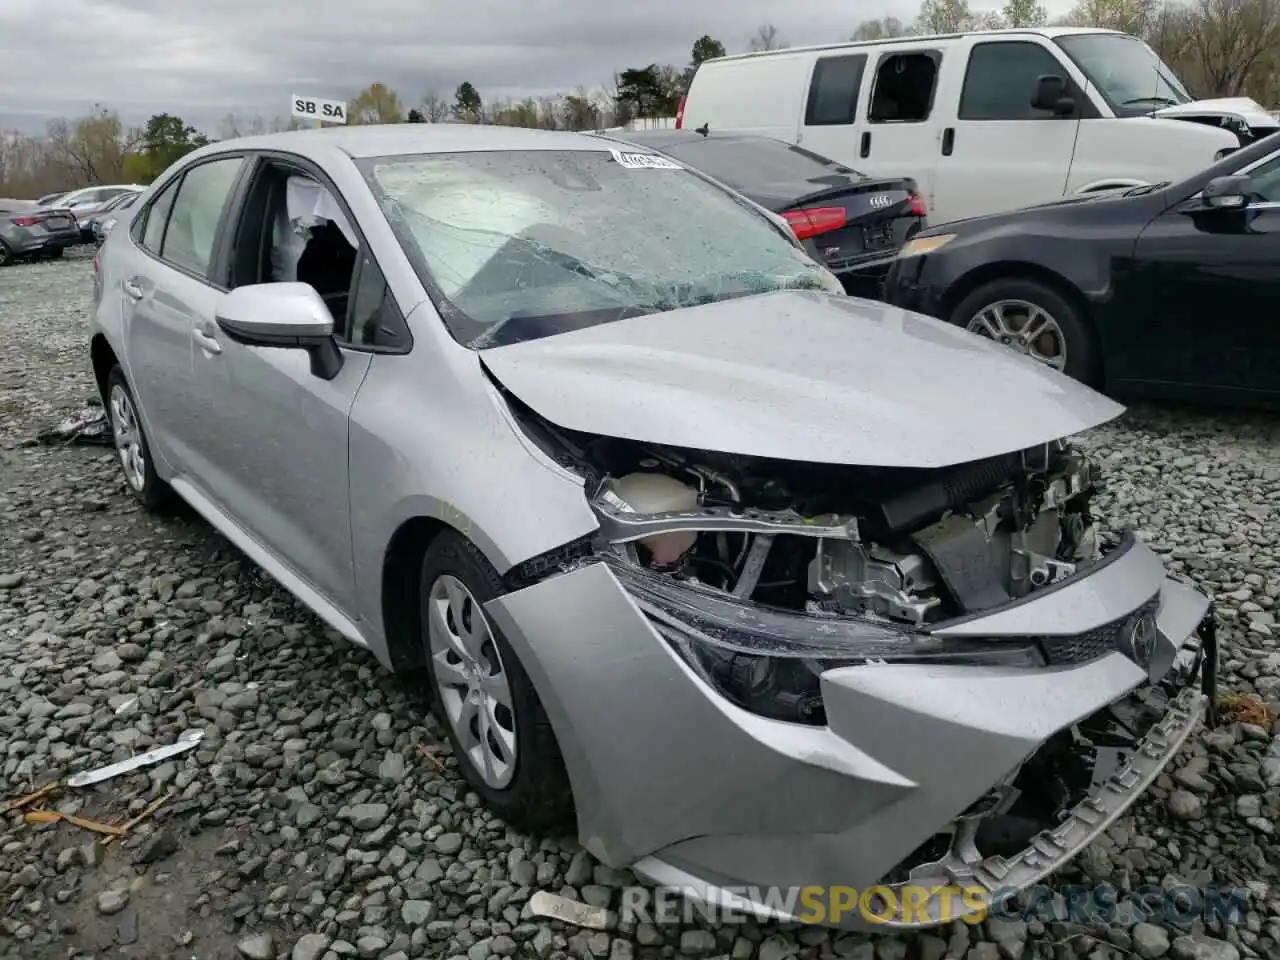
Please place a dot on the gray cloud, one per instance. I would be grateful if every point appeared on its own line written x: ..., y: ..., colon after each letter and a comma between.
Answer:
x: 203, y: 58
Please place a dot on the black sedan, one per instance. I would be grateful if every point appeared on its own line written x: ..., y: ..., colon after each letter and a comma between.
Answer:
x: 850, y: 222
x: 1167, y: 291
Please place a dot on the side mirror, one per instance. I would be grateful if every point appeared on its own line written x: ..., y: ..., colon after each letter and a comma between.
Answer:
x: 1051, y: 94
x: 288, y: 316
x: 1226, y: 193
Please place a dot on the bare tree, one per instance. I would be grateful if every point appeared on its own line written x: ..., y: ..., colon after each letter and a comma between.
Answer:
x: 1127, y: 16
x: 1234, y: 40
x: 93, y: 148
x: 766, y: 38
x: 435, y: 108
x: 945, y: 16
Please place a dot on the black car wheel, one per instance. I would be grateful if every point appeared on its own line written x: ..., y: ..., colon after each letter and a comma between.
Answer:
x: 6, y: 255
x: 497, y: 726
x: 1034, y: 319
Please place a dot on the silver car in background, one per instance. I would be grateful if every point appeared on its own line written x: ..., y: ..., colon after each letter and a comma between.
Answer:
x: 692, y: 545
x: 30, y: 231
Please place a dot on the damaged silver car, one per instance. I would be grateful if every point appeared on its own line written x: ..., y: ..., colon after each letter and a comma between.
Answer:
x: 693, y: 547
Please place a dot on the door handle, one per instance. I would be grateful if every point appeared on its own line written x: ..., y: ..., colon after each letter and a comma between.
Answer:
x: 206, y: 342
x: 132, y: 290
x: 865, y: 150
x: 948, y: 141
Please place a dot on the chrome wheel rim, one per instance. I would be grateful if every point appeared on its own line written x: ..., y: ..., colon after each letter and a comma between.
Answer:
x: 1025, y: 327
x: 128, y: 438
x: 471, y: 680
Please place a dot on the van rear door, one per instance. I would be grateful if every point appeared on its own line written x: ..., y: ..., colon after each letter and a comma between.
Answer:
x: 996, y: 151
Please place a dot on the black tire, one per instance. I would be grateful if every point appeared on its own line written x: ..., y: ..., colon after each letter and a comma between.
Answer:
x: 6, y: 255
x: 1082, y: 360
x: 54, y: 254
x: 538, y: 794
x: 153, y: 493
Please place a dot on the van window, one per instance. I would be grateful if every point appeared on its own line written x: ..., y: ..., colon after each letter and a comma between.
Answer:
x: 904, y: 87
x: 1001, y: 80
x: 833, y: 92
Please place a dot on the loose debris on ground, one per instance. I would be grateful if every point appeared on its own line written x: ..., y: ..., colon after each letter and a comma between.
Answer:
x: 322, y: 816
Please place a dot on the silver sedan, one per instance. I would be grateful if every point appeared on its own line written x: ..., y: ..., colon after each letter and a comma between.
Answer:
x: 691, y: 545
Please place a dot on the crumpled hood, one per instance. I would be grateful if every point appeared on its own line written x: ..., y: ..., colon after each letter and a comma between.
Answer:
x: 1245, y: 108
x: 799, y: 376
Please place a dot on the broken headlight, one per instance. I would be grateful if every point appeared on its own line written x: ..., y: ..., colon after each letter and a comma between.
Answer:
x: 770, y: 661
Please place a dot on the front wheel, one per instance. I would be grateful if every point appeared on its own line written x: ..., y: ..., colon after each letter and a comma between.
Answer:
x: 1035, y: 320
x: 496, y: 724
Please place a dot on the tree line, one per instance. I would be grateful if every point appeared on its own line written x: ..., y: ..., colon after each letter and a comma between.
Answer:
x: 1220, y: 48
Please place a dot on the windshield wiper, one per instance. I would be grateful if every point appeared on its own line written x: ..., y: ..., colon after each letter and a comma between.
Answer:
x: 1137, y: 100
x: 1146, y: 188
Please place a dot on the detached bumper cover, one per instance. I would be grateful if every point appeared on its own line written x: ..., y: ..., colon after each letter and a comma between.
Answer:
x: 689, y: 790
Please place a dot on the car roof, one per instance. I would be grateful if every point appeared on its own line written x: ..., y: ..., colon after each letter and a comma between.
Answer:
x: 1048, y: 32
x: 674, y: 138
x: 406, y: 139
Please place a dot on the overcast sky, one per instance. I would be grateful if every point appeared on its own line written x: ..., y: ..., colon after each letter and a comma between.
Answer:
x: 203, y: 58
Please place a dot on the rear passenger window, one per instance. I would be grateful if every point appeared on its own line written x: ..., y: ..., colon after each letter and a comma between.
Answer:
x: 153, y: 223
x: 833, y: 92
x: 1001, y: 79
x: 196, y: 212
x: 904, y: 87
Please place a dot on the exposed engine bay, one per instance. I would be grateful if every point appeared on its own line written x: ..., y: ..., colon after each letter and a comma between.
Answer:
x: 909, y: 546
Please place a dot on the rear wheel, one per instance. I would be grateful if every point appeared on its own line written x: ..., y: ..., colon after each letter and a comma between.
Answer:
x: 1035, y: 320
x: 131, y: 445
x: 6, y: 255
x: 496, y: 724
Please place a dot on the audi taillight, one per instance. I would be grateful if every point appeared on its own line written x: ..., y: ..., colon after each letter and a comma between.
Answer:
x: 680, y: 113
x: 918, y: 207
x: 812, y: 221
x: 27, y: 221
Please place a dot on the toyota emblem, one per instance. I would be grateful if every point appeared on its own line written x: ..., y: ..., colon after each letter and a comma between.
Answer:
x: 880, y: 200
x: 1142, y: 640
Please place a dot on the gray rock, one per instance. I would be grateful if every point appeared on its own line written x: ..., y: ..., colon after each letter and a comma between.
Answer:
x: 112, y: 901
x: 417, y: 912
x: 258, y: 946
x: 1185, y: 805
x: 1150, y: 941
x: 1199, y: 947
x: 448, y: 843
x: 367, y: 816
x: 697, y: 943
x: 308, y: 815
x: 392, y: 769
x: 310, y: 946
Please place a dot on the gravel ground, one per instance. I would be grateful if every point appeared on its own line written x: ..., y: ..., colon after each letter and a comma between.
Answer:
x: 308, y: 824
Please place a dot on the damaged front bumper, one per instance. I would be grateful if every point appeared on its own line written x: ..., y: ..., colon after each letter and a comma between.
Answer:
x: 912, y: 763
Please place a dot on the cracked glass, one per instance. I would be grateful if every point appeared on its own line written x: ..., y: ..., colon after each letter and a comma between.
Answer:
x: 515, y: 246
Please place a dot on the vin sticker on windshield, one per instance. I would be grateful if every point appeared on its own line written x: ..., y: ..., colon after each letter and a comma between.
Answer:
x: 644, y: 161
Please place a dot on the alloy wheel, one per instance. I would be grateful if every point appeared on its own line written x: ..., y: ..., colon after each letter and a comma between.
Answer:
x: 471, y: 681
x: 1025, y: 327
x: 128, y: 438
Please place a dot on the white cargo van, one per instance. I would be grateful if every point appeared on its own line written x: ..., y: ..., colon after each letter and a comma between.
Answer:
x: 984, y: 122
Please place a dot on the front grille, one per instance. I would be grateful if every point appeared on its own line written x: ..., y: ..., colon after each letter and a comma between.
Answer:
x: 1085, y: 647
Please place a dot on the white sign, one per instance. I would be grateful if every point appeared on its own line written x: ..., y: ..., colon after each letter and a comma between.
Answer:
x: 644, y: 161
x: 311, y: 108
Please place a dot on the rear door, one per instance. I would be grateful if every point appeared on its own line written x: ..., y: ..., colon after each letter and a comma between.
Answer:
x: 996, y: 151
x: 167, y: 294
x: 901, y: 133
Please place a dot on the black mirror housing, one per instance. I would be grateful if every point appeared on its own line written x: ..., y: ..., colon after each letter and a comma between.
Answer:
x: 1050, y: 90
x: 1226, y: 193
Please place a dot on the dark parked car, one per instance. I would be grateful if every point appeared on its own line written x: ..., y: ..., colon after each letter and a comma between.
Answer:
x: 848, y: 221
x: 111, y: 211
x: 34, y: 232
x: 1166, y: 291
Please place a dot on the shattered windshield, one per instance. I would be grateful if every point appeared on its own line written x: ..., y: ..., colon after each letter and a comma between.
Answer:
x: 520, y: 245
x: 1128, y: 73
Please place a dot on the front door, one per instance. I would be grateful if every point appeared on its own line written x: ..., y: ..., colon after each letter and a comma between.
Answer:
x: 275, y: 456
x: 1213, y: 278
x: 997, y: 152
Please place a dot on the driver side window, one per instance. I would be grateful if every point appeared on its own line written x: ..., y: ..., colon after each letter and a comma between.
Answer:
x: 292, y: 228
